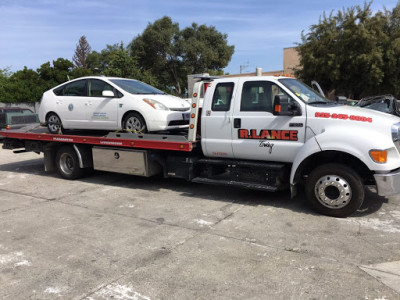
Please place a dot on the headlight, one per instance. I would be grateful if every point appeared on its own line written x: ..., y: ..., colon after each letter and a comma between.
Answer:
x: 155, y: 104
x: 396, y: 132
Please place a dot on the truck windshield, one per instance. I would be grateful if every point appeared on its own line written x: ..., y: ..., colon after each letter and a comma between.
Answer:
x: 303, y: 91
x: 136, y: 87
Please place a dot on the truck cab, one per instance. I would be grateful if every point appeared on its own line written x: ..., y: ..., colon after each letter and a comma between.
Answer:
x: 333, y: 149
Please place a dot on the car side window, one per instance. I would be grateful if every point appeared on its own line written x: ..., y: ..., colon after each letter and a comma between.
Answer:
x: 222, y: 96
x: 76, y: 88
x: 259, y: 96
x: 96, y: 87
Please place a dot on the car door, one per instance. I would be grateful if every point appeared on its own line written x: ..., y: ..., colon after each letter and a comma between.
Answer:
x: 70, y: 104
x: 257, y: 133
x: 216, y: 126
x: 101, y: 112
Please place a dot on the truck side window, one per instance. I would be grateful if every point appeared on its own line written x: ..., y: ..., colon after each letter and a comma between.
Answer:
x: 222, y: 96
x: 259, y: 96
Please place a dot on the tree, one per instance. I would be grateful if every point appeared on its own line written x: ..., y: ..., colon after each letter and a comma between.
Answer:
x: 81, y: 52
x: 156, y: 50
x: 114, y: 60
x: 392, y: 52
x: 55, y: 74
x: 353, y: 52
x: 171, y: 54
x: 205, y: 49
x: 22, y: 86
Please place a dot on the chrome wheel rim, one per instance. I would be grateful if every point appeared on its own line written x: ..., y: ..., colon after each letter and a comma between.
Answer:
x: 53, y: 123
x: 133, y: 123
x: 333, y: 191
x: 67, y: 164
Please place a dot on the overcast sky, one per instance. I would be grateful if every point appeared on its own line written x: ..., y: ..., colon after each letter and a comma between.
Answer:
x: 33, y: 32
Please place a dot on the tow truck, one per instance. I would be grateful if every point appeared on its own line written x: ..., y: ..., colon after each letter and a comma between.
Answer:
x: 266, y: 133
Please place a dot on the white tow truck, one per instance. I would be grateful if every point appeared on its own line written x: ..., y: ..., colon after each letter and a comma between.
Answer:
x: 263, y: 132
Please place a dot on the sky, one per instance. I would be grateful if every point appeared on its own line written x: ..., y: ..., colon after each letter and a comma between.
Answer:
x: 33, y: 32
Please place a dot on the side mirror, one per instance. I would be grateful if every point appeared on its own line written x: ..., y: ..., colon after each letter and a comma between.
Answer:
x: 282, y: 107
x: 108, y: 94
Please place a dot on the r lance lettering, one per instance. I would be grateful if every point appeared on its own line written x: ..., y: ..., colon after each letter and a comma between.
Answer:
x: 267, y: 134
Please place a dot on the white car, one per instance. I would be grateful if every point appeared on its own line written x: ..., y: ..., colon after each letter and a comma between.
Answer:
x: 108, y: 103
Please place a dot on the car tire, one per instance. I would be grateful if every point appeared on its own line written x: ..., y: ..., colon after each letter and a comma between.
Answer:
x: 54, y: 124
x: 67, y: 163
x: 134, y: 122
x: 335, y: 190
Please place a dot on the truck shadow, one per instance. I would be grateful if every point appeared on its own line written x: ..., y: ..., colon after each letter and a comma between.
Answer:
x: 229, y: 194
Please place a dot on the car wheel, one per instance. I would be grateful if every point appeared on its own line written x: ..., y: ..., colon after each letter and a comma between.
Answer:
x: 67, y: 163
x: 335, y: 190
x: 134, y: 122
x: 54, y: 123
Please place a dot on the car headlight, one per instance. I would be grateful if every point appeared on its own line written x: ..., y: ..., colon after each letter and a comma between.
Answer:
x: 396, y: 132
x: 155, y: 104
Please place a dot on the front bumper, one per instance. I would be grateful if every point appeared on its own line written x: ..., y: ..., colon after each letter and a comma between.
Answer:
x: 166, y: 120
x: 388, y: 184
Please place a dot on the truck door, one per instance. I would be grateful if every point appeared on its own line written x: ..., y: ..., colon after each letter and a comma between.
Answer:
x: 258, y: 134
x: 216, y: 125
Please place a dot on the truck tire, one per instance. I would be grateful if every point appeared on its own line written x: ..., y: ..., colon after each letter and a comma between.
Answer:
x: 67, y: 163
x: 134, y: 122
x: 54, y: 124
x: 335, y: 190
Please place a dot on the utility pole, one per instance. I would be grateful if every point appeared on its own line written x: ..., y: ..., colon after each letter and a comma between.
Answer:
x: 242, y: 67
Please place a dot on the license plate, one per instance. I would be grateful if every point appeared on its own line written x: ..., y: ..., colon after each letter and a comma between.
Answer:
x: 186, y: 116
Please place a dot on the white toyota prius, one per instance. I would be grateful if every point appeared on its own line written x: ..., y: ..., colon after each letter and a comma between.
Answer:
x: 108, y: 103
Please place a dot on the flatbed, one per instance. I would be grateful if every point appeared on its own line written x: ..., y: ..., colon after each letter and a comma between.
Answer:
x: 116, y: 139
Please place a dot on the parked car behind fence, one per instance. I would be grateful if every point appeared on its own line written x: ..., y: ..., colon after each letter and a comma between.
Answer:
x: 16, y: 117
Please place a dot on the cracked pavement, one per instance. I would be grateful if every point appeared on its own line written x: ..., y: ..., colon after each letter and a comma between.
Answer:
x: 112, y: 236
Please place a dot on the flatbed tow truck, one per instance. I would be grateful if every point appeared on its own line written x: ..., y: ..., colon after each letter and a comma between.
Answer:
x: 256, y: 132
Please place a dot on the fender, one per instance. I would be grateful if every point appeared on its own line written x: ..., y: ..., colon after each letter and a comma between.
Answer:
x: 358, y: 141
x: 351, y: 140
x: 309, y: 148
x: 84, y: 154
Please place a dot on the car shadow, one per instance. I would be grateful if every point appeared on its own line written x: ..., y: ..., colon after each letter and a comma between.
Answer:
x: 229, y: 194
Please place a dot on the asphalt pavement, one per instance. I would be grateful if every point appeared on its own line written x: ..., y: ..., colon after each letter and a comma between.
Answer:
x: 112, y: 236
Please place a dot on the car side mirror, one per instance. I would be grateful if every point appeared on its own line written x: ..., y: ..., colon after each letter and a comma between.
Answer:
x: 282, y: 107
x: 108, y: 94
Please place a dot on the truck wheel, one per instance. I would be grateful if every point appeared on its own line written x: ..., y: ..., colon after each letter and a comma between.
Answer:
x: 335, y: 190
x: 68, y: 164
x: 134, y: 122
x: 54, y: 123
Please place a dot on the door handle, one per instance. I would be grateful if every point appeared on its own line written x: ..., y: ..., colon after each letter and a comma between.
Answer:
x: 237, y: 123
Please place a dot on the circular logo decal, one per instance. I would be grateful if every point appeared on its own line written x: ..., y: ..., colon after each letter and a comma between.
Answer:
x: 70, y: 107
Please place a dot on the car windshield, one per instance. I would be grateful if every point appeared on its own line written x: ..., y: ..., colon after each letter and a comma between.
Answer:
x: 136, y: 87
x: 303, y: 91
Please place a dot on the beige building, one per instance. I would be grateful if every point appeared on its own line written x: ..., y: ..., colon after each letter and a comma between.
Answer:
x: 291, y: 60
